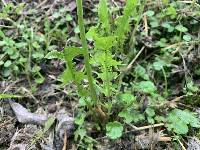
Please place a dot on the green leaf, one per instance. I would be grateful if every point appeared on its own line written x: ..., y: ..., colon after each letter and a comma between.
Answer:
x: 79, y: 76
x: 15, y: 55
x: 123, y: 21
x: 46, y: 25
x: 7, y: 63
x: 76, y: 30
x: 150, y: 120
x: 38, y: 55
x: 192, y: 87
x: 21, y: 45
x: 39, y: 80
x: 146, y: 87
x: 178, y: 126
x: 181, y: 28
x: 141, y: 72
x: 55, y: 54
x: 1, y: 62
x: 150, y: 13
x: 79, y: 132
x: 178, y: 121
x: 66, y: 76
x: 159, y: 64
x: 150, y: 112
x: 171, y: 11
x: 168, y: 26
x: 165, y: 2
x: 194, y: 122
x: 56, y: 15
x: 2, y: 43
x: 68, y: 17
x: 130, y: 115
x: 154, y: 24
x: 10, y: 51
x: 35, y: 69
x: 103, y: 13
x: 127, y: 115
x: 126, y: 98
x: 187, y: 38
x: 100, y: 58
x: 19, y: 8
x: 92, y: 33
x: 71, y: 52
x: 161, y: 42
x: 48, y: 124
x: 114, y: 130
x: 105, y: 43
x: 3, y: 96
x: 36, y: 45
x: 80, y: 119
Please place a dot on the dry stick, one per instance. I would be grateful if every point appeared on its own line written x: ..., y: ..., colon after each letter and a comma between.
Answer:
x: 161, y: 138
x: 8, y: 27
x: 134, y: 59
x: 139, y: 128
x: 188, y: 2
x: 145, y: 25
x: 180, y: 44
x: 181, y: 144
x: 145, y: 127
x: 65, y: 142
x: 164, y: 139
x: 11, y: 85
x: 41, y: 4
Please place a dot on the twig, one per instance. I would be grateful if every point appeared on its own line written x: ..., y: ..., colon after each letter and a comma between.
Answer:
x: 181, y: 43
x: 42, y: 3
x: 65, y: 142
x: 181, y: 144
x: 134, y: 59
x: 188, y: 2
x: 11, y: 85
x: 145, y: 25
x: 8, y: 19
x: 164, y: 139
x: 145, y: 127
x: 139, y: 129
x: 9, y: 27
x: 184, y: 65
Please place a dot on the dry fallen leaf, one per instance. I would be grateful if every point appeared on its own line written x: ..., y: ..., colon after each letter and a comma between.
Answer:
x: 23, y: 116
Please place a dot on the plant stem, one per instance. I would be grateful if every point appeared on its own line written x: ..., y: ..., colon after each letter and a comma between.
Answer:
x: 165, y: 78
x: 28, y: 66
x: 85, y: 49
x: 107, y: 75
x: 133, y: 39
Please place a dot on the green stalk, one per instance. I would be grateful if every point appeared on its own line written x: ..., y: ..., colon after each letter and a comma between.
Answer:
x: 85, y: 49
x: 28, y: 66
x: 107, y: 76
x: 165, y: 78
x: 132, y: 39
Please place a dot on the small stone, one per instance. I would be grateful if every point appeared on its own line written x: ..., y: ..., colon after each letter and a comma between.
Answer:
x: 52, y: 108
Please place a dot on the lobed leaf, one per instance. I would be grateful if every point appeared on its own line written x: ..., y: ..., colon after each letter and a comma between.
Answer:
x: 55, y: 54
x: 104, y: 17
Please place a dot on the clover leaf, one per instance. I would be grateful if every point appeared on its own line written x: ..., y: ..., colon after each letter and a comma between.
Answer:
x: 114, y: 130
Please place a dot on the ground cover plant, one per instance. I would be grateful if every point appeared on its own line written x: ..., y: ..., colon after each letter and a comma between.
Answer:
x: 106, y: 75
